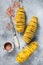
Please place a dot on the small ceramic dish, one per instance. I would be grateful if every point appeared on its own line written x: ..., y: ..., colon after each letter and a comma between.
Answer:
x: 9, y: 47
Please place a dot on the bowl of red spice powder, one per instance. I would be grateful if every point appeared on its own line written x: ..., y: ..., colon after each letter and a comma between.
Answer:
x: 9, y: 46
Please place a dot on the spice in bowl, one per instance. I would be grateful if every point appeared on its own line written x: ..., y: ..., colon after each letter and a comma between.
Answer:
x: 8, y: 46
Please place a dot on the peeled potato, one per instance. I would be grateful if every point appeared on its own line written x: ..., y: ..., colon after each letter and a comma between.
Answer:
x: 26, y: 52
x: 20, y: 20
x: 30, y: 30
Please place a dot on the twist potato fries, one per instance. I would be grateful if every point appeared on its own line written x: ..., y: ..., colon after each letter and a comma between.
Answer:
x: 26, y: 52
x: 30, y: 30
x: 20, y: 20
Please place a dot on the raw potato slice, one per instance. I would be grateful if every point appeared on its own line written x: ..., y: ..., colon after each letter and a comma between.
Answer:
x: 20, y: 20
x: 26, y: 52
x: 31, y: 29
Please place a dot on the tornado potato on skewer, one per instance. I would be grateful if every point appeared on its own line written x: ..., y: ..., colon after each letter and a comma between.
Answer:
x: 26, y: 52
x: 30, y: 30
x: 20, y: 20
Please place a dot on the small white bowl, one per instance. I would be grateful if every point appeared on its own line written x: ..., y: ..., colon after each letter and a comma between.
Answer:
x: 12, y: 47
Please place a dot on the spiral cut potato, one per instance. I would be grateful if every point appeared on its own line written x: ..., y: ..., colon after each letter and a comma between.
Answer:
x: 26, y: 52
x: 30, y: 30
x: 20, y: 20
